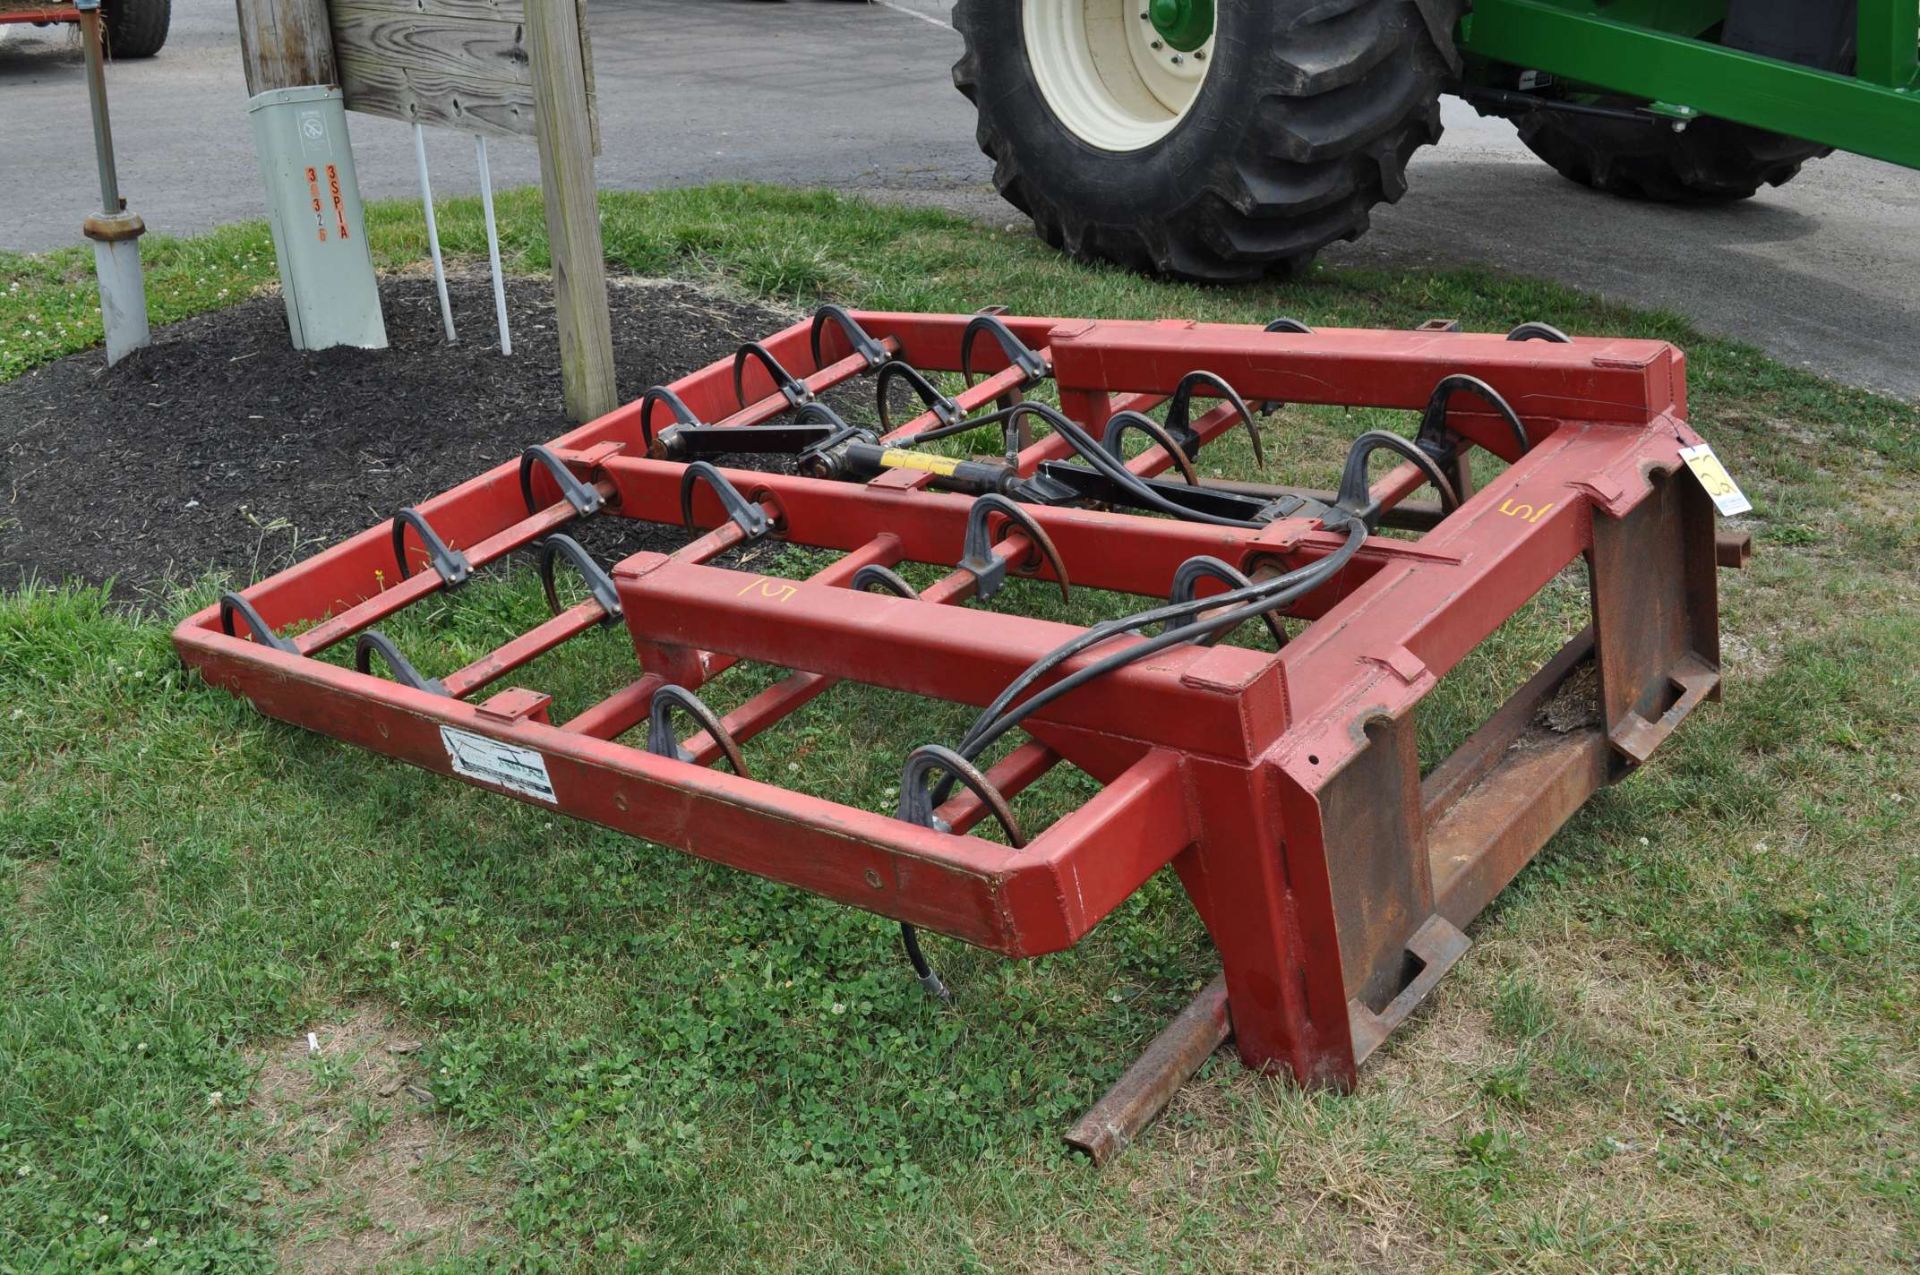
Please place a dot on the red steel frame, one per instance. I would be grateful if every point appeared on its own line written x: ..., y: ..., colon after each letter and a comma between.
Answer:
x: 43, y: 16
x: 1284, y: 788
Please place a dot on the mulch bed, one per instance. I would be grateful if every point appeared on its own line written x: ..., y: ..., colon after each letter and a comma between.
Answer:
x: 223, y: 448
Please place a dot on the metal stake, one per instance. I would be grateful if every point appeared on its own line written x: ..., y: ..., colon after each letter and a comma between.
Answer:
x: 493, y: 244
x: 433, y: 230
x: 115, y: 231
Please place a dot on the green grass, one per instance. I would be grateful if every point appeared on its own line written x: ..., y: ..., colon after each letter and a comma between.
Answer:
x: 1685, y: 1038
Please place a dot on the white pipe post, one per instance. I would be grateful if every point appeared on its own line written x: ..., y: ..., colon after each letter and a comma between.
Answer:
x: 433, y: 230
x: 493, y: 244
x: 115, y: 231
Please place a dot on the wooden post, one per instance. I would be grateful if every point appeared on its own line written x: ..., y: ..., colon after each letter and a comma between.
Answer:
x: 565, y: 134
x: 285, y: 44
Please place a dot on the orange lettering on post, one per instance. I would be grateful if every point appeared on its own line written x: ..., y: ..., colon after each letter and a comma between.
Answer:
x: 313, y: 193
x: 339, y: 206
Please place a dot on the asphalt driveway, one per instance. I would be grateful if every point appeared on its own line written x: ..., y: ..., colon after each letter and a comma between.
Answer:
x: 1824, y: 272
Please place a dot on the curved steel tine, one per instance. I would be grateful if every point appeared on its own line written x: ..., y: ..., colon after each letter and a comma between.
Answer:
x: 1285, y: 323
x: 916, y: 806
x: 232, y: 604
x: 916, y: 796
x: 818, y: 413
x: 449, y: 564
x: 990, y: 570
x: 1120, y: 422
x: 373, y: 642
x: 748, y: 514
x: 584, y: 497
x: 682, y: 414
x: 1032, y: 366
x: 789, y: 385
x: 599, y: 583
x: 858, y: 338
x: 1433, y: 421
x: 874, y: 578
x: 1180, y: 408
x: 1355, y: 497
x: 944, y: 409
x: 661, y: 740
x: 1204, y: 567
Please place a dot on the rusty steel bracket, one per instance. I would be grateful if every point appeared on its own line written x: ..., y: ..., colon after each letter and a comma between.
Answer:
x: 1430, y: 952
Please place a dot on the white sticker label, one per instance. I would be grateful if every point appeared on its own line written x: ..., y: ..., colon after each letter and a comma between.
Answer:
x: 314, y: 142
x: 508, y: 766
x: 1726, y: 493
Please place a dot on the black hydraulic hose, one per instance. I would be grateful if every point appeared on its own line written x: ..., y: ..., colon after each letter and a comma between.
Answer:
x: 1089, y: 449
x: 998, y: 718
x: 922, y: 968
x: 1308, y: 575
x: 991, y: 725
x: 996, y: 417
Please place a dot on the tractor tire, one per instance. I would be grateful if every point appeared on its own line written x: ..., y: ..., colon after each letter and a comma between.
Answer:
x: 1712, y: 161
x: 136, y: 28
x: 1302, y: 120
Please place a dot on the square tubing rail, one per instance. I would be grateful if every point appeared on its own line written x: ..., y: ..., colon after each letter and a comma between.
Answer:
x: 1284, y: 788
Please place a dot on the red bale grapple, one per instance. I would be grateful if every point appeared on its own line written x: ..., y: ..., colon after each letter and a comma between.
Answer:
x: 1283, y: 785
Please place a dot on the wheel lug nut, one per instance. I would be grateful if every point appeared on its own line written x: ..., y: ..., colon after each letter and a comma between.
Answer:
x: 1156, y: 44
x: 1177, y: 59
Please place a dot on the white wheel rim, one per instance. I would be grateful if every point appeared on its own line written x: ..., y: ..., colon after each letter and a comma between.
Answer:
x: 1098, y: 68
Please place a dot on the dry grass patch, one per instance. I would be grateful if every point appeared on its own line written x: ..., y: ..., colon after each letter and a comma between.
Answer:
x: 30, y: 881
x: 362, y: 1173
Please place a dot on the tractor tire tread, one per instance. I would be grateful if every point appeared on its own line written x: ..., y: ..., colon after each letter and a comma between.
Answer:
x: 1712, y: 161
x: 1348, y: 92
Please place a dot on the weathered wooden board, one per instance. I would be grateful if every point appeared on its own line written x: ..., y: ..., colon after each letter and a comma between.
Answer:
x: 283, y: 44
x: 459, y: 64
